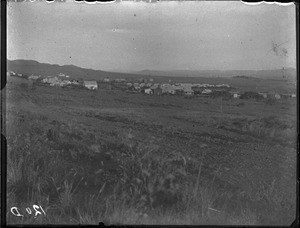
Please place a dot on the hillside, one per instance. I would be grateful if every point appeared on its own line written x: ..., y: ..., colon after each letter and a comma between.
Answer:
x: 244, y: 77
x: 29, y: 67
x: 276, y: 74
x: 34, y: 67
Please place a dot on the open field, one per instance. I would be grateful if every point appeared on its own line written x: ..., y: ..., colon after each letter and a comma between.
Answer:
x: 116, y: 157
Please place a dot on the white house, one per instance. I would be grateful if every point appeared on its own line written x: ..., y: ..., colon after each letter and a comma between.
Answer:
x: 149, y: 84
x: 34, y: 77
x: 167, y: 88
x: 206, y: 91
x: 75, y: 82
x: 277, y: 96
x: 136, y: 87
x: 293, y: 95
x: 235, y: 94
x: 148, y: 91
x: 65, y: 82
x: 120, y: 80
x: 177, y: 87
x: 51, y: 80
x: 90, y: 85
x: 106, y: 79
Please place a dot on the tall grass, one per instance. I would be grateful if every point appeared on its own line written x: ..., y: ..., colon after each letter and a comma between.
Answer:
x: 82, y: 179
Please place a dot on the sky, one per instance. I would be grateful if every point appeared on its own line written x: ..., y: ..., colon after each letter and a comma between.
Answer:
x: 132, y: 36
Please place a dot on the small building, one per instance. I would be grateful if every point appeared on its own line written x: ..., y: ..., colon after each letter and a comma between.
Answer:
x: 106, y: 79
x: 129, y: 84
x: 293, y: 95
x: 206, y: 91
x: 148, y: 91
x: 235, y: 94
x: 120, y: 80
x: 167, y: 88
x: 32, y: 77
x: 277, y: 96
x: 188, y: 92
x: 149, y: 84
x: 50, y: 79
x: 75, y: 82
x: 65, y: 83
x: 136, y: 86
x: 264, y: 95
x: 92, y: 85
x: 11, y: 73
x: 177, y: 87
x: 151, y: 80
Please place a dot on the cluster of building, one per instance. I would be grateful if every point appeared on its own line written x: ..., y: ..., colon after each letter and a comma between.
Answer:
x: 196, y: 89
x: 59, y: 80
x: 188, y: 89
x: 148, y: 86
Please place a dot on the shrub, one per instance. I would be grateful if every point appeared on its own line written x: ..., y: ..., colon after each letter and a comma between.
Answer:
x: 271, y: 101
x: 24, y: 86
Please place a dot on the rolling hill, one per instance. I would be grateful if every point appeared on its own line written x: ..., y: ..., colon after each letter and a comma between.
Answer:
x: 276, y: 74
x: 29, y: 67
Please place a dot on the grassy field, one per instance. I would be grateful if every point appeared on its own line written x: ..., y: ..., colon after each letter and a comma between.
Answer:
x: 120, y: 158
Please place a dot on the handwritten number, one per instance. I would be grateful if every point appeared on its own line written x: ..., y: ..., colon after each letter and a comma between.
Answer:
x: 43, y: 210
x: 15, y: 210
x: 35, y: 207
x: 28, y: 210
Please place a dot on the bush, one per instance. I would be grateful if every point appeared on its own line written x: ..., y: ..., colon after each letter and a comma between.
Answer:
x: 24, y: 86
x: 271, y: 101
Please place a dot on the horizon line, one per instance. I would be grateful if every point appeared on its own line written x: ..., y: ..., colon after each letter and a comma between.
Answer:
x: 154, y: 70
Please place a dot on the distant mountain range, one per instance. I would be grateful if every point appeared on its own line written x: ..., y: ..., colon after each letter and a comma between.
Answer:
x: 29, y: 67
x: 277, y: 74
x: 33, y: 67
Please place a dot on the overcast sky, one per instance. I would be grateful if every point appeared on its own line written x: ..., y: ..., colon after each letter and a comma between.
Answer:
x: 132, y: 36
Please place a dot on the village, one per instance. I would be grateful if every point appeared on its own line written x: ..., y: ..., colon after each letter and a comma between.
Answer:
x: 150, y: 87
